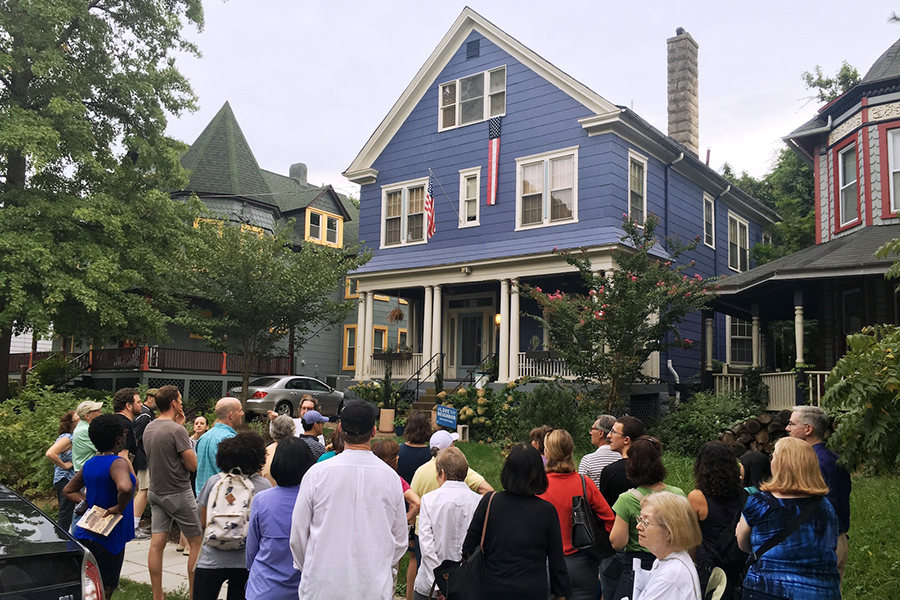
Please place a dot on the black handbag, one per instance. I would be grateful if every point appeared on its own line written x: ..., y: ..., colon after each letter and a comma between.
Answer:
x: 588, y: 533
x: 464, y: 579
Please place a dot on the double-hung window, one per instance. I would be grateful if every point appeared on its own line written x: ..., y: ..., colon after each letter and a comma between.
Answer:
x: 473, y: 98
x: 469, y: 189
x: 323, y: 228
x: 637, y: 188
x: 738, y: 243
x: 547, y: 188
x: 894, y: 162
x: 349, y: 348
x: 403, y: 213
x: 849, y: 197
x: 741, y: 341
x: 709, y: 221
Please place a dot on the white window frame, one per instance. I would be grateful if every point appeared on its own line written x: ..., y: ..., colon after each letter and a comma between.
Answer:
x: 746, y: 239
x: 486, y: 110
x: 404, y: 188
x: 729, y: 323
x: 893, y: 167
x: 464, y: 174
x: 711, y: 202
x: 842, y: 185
x: 635, y: 157
x: 546, y: 157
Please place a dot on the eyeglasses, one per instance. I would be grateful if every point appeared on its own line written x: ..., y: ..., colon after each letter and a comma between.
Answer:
x: 613, y: 431
x: 645, y: 523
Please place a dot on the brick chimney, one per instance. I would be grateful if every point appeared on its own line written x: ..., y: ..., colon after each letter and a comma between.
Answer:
x: 684, y: 97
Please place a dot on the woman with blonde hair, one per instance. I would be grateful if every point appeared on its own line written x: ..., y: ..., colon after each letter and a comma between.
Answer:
x: 668, y: 528
x: 792, y: 529
x: 564, y: 484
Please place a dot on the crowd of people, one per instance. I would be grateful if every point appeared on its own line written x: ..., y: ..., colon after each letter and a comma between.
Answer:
x: 752, y: 528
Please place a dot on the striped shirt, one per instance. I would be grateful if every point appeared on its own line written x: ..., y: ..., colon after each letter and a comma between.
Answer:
x: 593, y: 464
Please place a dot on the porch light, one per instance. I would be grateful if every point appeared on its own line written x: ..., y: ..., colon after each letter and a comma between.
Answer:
x: 497, y: 318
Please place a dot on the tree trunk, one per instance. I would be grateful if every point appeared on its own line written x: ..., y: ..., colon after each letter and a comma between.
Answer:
x: 5, y: 341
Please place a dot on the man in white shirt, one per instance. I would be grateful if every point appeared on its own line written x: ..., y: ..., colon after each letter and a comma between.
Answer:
x: 349, y: 524
x: 594, y: 463
x: 444, y: 518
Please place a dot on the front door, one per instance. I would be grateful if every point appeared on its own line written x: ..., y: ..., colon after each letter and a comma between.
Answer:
x: 471, y: 338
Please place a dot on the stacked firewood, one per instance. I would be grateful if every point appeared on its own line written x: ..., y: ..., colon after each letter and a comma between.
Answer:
x: 757, y: 433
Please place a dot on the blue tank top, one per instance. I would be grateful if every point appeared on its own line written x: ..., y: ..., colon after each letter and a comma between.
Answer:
x: 101, y: 491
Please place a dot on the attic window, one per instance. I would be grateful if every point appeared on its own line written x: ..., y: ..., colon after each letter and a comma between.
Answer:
x: 472, y: 99
x: 317, y: 221
x: 473, y: 49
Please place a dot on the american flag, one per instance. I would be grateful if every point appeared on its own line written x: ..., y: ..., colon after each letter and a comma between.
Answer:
x: 493, y: 159
x: 429, y: 206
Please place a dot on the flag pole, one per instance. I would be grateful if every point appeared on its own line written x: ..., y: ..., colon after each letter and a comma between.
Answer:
x: 445, y: 193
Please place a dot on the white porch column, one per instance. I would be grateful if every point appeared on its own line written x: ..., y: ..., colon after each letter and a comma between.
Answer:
x: 709, y: 344
x: 436, y: 322
x: 514, y: 329
x: 370, y: 336
x: 360, y: 338
x: 426, y: 326
x: 798, y: 325
x: 503, y: 372
x: 755, y: 342
x: 412, y: 333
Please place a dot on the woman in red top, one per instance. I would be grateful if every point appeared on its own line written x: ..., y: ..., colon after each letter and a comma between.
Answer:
x: 564, y: 484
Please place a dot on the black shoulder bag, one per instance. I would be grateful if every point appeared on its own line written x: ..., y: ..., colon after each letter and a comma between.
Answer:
x: 588, y: 533
x: 464, y: 579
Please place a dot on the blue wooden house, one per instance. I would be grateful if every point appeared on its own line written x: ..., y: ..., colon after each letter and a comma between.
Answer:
x: 569, y: 165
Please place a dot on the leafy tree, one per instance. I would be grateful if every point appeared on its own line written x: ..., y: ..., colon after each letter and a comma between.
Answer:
x: 608, y: 333
x: 86, y: 227
x: 262, y: 289
x: 829, y: 88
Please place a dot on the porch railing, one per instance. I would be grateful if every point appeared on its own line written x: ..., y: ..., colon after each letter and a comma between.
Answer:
x: 782, y: 387
x: 544, y: 367
x: 25, y: 359
x: 401, y: 368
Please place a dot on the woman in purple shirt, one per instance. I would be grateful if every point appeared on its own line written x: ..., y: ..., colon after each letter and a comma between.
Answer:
x: 272, y: 572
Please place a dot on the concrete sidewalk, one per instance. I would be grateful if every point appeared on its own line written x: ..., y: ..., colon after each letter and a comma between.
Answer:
x: 174, y: 567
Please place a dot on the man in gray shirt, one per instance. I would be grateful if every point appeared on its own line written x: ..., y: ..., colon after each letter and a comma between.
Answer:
x: 170, y: 459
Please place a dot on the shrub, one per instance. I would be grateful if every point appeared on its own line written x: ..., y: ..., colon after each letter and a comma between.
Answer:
x: 29, y: 424
x: 490, y: 414
x: 700, y: 420
x: 560, y: 407
x: 55, y: 370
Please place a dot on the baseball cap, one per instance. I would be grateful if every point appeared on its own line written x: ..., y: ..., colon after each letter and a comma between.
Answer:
x: 314, y: 416
x: 357, y: 417
x: 86, y: 407
x: 442, y: 439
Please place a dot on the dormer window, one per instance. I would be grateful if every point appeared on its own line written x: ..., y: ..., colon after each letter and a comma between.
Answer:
x: 324, y: 228
x: 472, y: 99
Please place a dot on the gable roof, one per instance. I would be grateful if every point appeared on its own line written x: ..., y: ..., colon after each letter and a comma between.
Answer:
x: 221, y: 163
x: 360, y: 171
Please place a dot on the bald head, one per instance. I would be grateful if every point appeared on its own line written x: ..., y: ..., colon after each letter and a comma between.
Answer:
x: 229, y: 411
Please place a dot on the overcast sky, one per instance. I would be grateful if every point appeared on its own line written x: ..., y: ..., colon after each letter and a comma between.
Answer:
x: 310, y: 80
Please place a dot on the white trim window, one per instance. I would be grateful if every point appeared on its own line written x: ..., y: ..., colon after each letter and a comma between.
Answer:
x: 637, y: 188
x: 469, y: 195
x: 894, y: 166
x: 547, y: 189
x: 403, y: 213
x: 740, y: 341
x: 472, y: 99
x: 738, y: 243
x: 709, y: 220
x: 848, y: 175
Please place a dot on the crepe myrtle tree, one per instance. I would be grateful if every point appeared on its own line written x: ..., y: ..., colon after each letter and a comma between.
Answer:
x: 263, y: 288
x: 606, y: 334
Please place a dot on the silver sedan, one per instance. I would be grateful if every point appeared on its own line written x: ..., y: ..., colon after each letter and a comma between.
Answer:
x: 282, y: 393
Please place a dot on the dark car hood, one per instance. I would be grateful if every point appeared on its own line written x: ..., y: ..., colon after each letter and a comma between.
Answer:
x: 25, y: 530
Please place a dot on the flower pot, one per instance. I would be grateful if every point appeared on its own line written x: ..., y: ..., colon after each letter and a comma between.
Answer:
x: 399, y: 429
x: 386, y: 420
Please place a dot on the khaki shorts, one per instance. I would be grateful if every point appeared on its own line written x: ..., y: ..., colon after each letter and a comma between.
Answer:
x: 180, y: 508
x: 143, y: 479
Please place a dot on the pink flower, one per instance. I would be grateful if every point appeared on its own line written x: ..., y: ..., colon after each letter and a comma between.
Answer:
x: 687, y: 341
x: 555, y: 248
x: 581, y: 321
x: 539, y: 290
x: 698, y: 277
x: 592, y: 293
x: 598, y: 314
x: 633, y: 278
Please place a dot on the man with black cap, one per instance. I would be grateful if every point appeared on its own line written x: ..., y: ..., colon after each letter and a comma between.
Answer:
x: 350, y: 511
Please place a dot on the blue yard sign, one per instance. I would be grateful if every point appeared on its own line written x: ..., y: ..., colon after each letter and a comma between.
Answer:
x: 446, y: 416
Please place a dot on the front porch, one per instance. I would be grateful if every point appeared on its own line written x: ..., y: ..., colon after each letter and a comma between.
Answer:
x: 786, y: 389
